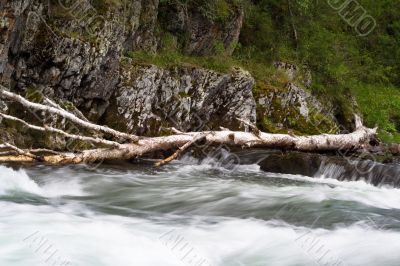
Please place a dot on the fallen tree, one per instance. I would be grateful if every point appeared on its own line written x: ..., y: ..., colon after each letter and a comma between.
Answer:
x: 127, y: 146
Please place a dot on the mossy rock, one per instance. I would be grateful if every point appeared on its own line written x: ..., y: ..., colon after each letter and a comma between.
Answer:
x: 276, y: 114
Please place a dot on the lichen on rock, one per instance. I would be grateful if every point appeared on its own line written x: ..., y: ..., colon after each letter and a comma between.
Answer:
x: 188, y: 98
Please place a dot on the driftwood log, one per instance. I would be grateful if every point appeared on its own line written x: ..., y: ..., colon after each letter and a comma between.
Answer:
x: 127, y: 146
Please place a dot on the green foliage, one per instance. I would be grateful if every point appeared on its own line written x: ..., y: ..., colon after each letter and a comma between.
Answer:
x: 381, y: 107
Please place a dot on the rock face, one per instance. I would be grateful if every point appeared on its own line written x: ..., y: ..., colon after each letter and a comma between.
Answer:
x: 143, y: 36
x: 51, y: 47
x: 149, y: 98
x: 44, y: 54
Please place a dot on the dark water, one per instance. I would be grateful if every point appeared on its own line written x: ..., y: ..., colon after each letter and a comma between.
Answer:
x: 193, y: 213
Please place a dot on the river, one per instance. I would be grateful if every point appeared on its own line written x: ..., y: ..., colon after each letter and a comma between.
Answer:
x: 192, y: 212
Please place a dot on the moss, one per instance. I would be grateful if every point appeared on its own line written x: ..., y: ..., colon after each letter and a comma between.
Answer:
x: 275, y: 118
x: 183, y: 94
x: 222, y: 10
x: 34, y: 95
x: 67, y: 105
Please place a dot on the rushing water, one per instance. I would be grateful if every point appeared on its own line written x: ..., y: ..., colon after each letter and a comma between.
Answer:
x: 192, y: 213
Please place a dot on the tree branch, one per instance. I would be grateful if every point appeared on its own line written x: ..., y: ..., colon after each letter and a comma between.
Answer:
x: 40, y: 107
x: 181, y: 150
x: 61, y: 132
x: 254, y: 128
x: 22, y: 152
x: 55, y: 105
x: 181, y: 141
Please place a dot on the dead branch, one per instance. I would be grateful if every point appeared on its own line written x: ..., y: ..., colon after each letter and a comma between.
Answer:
x: 7, y: 153
x: 45, y: 151
x: 61, y: 132
x: 49, y: 109
x: 181, y: 150
x: 253, y: 127
x: 22, y: 152
x: 55, y: 105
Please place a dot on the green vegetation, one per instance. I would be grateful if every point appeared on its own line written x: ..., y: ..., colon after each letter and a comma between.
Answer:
x: 381, y: 107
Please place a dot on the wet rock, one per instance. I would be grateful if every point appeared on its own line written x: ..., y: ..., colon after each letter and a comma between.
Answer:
x: 292, y: 163
x: 351, y: 167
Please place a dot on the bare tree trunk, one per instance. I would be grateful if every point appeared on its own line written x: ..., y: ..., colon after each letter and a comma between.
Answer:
x: 318, y: 143
x: 178, y: 141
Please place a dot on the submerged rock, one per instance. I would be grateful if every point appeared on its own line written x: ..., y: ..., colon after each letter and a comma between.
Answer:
x: 342, y: 168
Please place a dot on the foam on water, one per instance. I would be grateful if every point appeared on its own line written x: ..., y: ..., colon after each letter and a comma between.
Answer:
x: 14, y: 181
x: 96, y: 240
x: 359, y: 191
x: 206, y: 205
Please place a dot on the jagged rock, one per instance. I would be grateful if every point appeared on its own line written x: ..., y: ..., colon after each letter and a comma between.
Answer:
x: 187, y: 98
x: 60, y: 57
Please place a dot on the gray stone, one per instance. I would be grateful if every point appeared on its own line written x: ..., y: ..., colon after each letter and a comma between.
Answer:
x: 182, y: 97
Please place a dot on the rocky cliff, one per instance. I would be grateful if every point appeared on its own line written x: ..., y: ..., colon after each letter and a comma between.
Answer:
x: 72, y: 51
